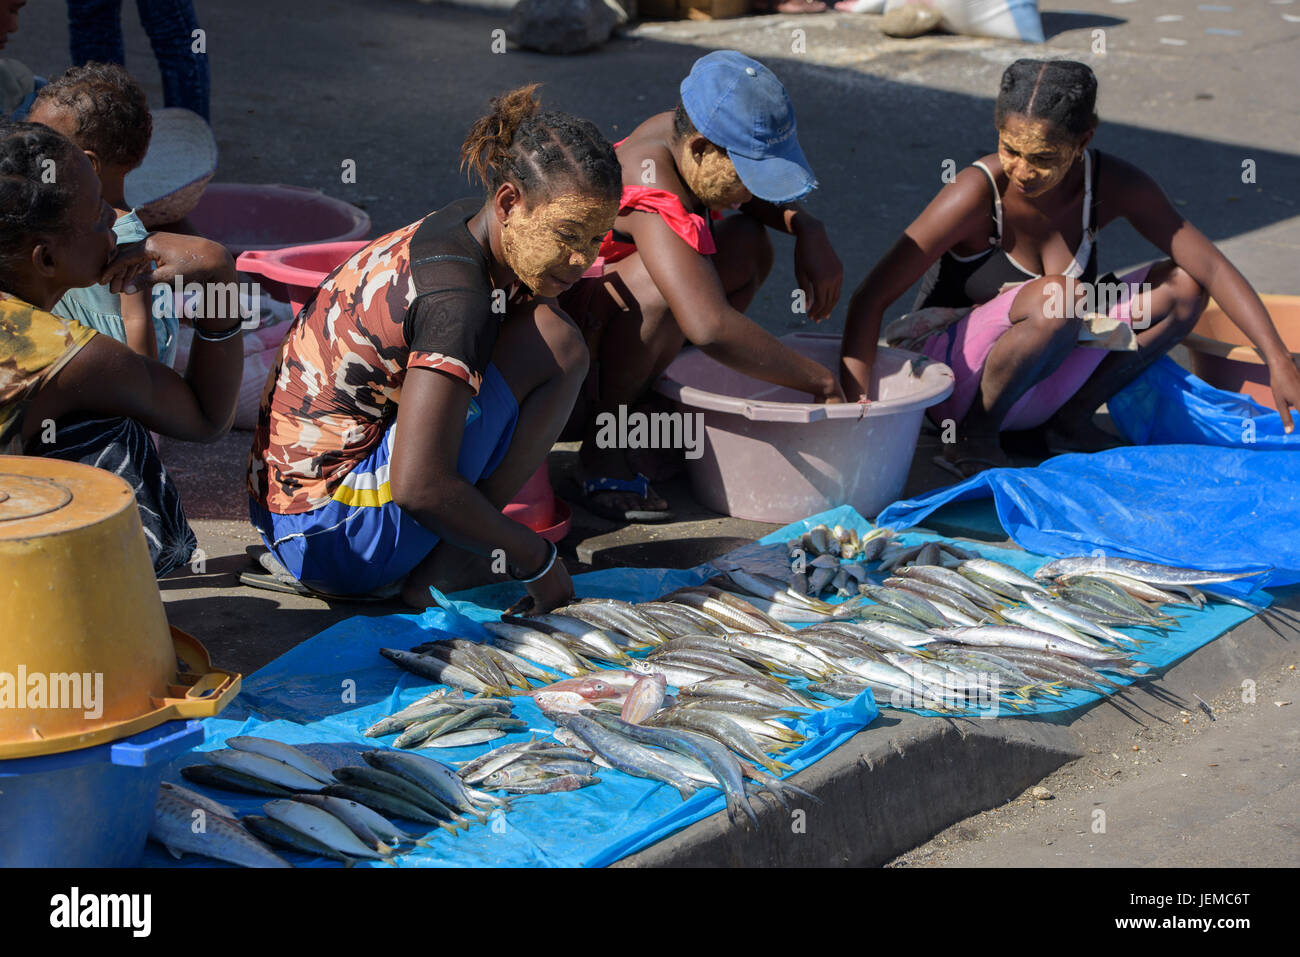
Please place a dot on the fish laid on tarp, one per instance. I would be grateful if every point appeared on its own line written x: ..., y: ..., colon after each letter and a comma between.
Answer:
x: 1149, y: 572
x: 624, y: 754
x: 284, y: 753
x: 322, y: 826
x: 185, y: 827
x: 262, y: 768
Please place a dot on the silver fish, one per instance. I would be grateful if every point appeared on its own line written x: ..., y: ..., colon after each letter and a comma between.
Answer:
x: 1149, y: 572
x: 264, y: 768
x: 285, y: 753
x: 173, y: 826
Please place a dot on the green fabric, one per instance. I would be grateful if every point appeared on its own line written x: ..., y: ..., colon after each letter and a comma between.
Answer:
x: 101, y: 310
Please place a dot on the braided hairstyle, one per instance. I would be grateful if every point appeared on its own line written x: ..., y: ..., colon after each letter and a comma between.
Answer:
x: 29, y: 205
x: 539, y: 151
x: 1063, y: 92
x: 112, y: 114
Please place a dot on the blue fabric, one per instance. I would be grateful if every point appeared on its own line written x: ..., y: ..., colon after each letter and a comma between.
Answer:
x: 1168, y: 405
x: 324, y: 692
x: 348, y: 549
x: 1186, y: 505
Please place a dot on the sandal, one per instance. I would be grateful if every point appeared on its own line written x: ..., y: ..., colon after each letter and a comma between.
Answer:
x: 277, y: 578
x: 639, y: 486
x: 860, y: 6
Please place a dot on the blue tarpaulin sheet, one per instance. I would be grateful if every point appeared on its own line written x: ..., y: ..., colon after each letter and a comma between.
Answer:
x: 1168, y: 405
x: 324, y: 692
x: 321, y: 694
x: 1194, y: 506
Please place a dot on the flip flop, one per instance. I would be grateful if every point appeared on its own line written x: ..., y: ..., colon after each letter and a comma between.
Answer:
x: 954, y: 467
x: 639, y: 486
x: 860, y: 6
x: 277, y: 578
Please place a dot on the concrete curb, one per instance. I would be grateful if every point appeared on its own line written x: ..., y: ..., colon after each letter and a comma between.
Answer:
x: 906, y: 778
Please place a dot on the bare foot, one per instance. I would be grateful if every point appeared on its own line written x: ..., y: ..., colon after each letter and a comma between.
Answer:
x: 449, y: 569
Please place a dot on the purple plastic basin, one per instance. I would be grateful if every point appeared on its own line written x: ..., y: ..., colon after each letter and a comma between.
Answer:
x: 771, y: 456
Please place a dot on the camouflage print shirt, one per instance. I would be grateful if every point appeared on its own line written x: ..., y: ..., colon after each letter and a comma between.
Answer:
x: 338, y: 378
x: 34, y: 344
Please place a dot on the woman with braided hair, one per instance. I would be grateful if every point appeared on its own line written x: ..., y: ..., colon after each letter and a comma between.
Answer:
x: 431, y: 373
x: 1009, y: 258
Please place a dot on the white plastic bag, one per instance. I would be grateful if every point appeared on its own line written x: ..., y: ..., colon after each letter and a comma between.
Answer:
x: 1003, y: 19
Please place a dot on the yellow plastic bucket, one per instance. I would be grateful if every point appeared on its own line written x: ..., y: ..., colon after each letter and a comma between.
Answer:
x: 86, y: 654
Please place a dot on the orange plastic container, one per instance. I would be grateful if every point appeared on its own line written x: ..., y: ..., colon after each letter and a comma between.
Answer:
x: 1224, y: 357
x: 86, y: 654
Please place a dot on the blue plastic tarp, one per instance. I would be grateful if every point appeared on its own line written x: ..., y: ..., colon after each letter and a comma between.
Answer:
x: 1194, y: 506
x: 325, y: 691
x: 1168, y: 405
x: 321, y: 694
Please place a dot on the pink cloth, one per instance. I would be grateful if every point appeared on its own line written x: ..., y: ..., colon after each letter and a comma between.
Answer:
x: 965, y: 346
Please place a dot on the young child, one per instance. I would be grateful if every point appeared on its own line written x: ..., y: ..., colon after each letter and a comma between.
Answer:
x: 104, y: 112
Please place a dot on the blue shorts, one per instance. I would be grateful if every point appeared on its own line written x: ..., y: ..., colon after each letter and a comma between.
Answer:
x: 361, y: 540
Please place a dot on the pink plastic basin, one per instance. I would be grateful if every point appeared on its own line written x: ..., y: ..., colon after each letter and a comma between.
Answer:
x: 770, y: 456
x: 293, y: 274
x: 244, y: 216
x: 537, y: 507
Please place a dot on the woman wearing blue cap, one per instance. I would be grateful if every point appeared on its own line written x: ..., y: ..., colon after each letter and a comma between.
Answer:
x: 674, y: 270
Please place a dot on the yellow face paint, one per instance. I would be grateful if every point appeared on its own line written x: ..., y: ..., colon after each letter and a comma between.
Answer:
x: 550, y: 246
x: 712, y: 177
x: 1034, y: 154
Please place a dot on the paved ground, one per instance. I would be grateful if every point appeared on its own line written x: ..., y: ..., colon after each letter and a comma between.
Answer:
x: 1190, y: 93
x: 1194, y: 792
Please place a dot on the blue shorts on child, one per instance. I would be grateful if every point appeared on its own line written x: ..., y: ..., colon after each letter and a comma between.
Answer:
x: 361, y: 540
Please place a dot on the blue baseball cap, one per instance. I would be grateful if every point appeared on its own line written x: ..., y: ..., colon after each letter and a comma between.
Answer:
x: 739, y: 104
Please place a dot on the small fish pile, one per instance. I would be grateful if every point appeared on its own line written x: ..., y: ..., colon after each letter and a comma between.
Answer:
x: 630, y: 695
x: 443, y: 719
x: 468, y: 665
x: 260, y: 766
x: 531, y: 767
x: 815, y: 561
x: 685, y: 760
x: 220, y: 835
x: 331, y: 827
x: 362, y: 797
x: 945, y: 554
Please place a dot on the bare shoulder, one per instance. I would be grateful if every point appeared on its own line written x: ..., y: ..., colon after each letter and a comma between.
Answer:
x: 647, y: 160
x: 1125, y: 190
x: 1120, y: 178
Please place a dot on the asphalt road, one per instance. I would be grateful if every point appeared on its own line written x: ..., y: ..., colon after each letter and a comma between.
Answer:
x: 1193, y: 93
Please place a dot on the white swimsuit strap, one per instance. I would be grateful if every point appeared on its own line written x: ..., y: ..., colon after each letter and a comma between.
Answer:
x: 1084, y: 253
